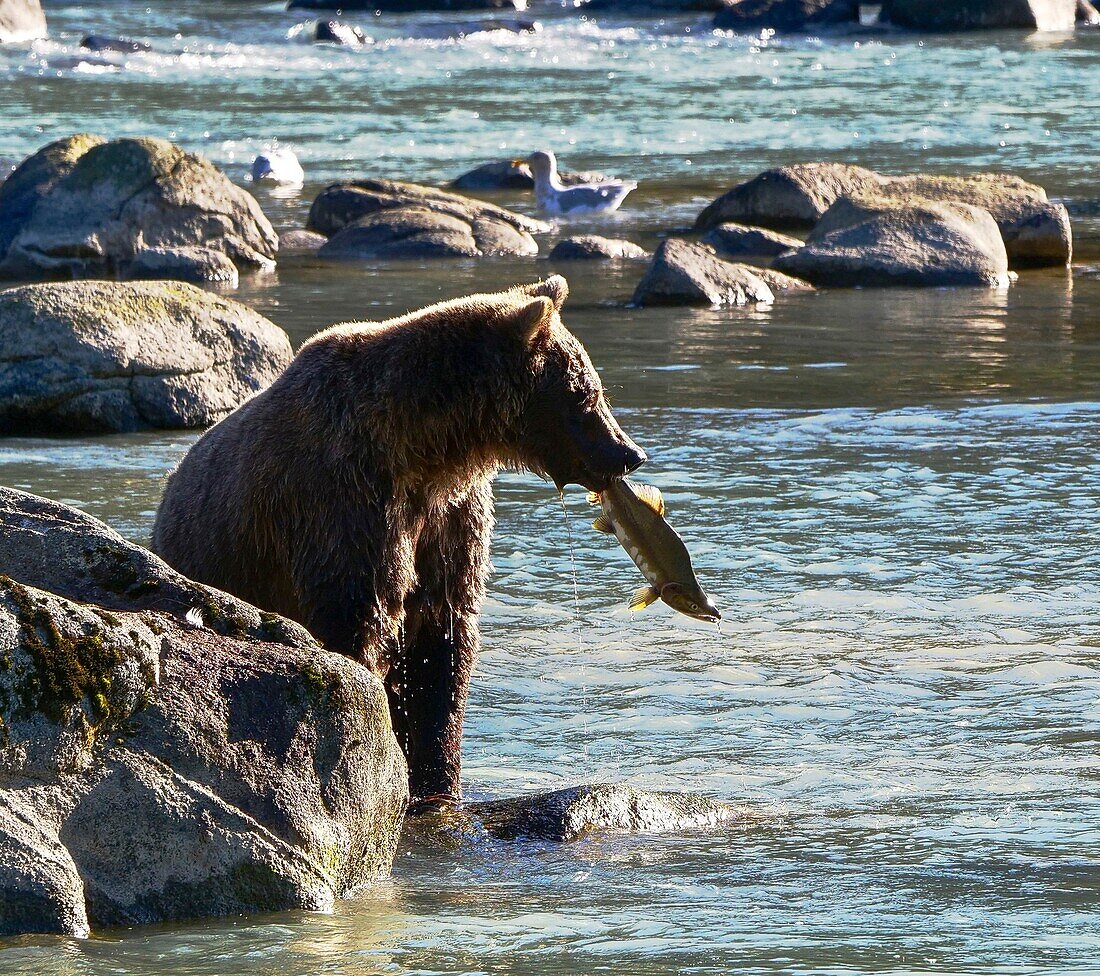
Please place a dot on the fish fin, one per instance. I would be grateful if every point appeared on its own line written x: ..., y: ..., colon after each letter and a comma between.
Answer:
x: 650, y: 497
x: 593, y: 498
x: 603, y: 524
x: 644, y: 597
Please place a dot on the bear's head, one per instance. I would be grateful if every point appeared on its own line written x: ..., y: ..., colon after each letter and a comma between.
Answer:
x: 566, y: 430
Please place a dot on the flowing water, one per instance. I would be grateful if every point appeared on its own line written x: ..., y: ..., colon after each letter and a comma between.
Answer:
x: 892, y: 495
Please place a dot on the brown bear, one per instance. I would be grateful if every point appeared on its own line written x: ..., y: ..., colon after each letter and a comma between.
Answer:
x: 355, y: 493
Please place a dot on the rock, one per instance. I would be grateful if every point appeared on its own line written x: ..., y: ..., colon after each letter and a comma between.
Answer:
x: 790, y: 196
x: 21, y: 20
x: 785, y: 15
x: 33, y: 179
x: 691, y: 274
x: 153, y: 769
x: 406, y: 6
x: 278, y: 166
x: 885, y: 241
x: 337, y: 32
x: 40, y: 888
x: 199, y: 265
x: 566, y: 815
x: 99, y: 356
x: 300, y: 242
x: 129, y: 194
x: 589, y: 247
x: 737, y: 241
x: 343, y: 203
x: 1042, y: 15
x: 122, y: 45
x: 777, y: 281
x: 416, y: 232
x: 1087, y: 14
x: 1035, y: 231
x: 58, y: 548
x: 512, y: 175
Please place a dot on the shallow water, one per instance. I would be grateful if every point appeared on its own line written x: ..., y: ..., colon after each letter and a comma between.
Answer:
x: 892, y: 495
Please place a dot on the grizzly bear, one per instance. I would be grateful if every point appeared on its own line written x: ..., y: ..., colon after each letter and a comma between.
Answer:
x: 354, y: 494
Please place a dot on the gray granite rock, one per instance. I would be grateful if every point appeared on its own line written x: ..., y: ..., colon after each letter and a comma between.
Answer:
x: 875, y: 241
x: 98, y: 356
x: 682, y: 273
x: 120, y: 197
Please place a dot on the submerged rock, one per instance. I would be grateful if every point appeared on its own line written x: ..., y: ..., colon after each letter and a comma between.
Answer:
x: 337, y: 32
x: 119, y: 197
x: 1035, y: 231
x: 153, y: 769
x: 1043, y: 15
x: 737, y: 241
x: 122, y: 45
x: 785, y: 15
x: 566, y: 815
x: 99, y: 356
x: 344, y: 203
x: 21, y: 20
x: 466, y: 28
x: 590, y: 247
x: 682, y: 273
x: 512, y: 175
x: 199, y: 265
x: 885, y: 241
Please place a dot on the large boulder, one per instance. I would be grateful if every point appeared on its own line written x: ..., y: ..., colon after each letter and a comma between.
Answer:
x: 591, y: 247
x: 21, y: 20
x: 33, y: 179
x: 55, y: 547
x: 788, y: 197
x: 344, y: 203
x: 101, y: 356
x: 119, y: 197
x: 1035, y: 231
x: 153, y: 769
x: 682, y: 273
x: 1043, y: 15
x: 568, y: 814
x: 785, y: 15
x: 888, y: 241
x: 417, y: 232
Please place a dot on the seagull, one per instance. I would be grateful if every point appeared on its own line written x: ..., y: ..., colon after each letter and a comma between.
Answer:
x: 278, y: 166
x: 554, y: 199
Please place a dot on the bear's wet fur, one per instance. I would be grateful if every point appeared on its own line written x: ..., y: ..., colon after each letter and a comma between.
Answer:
x: 355, y: 493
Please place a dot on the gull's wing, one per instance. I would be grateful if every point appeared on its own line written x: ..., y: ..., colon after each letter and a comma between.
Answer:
x: 593, y: 196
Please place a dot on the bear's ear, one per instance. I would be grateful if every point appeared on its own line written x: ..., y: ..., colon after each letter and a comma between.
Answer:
x: 556, y: 288
x: 527, y: 320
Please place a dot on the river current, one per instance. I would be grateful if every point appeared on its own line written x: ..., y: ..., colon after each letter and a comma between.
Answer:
x: 891, y: 494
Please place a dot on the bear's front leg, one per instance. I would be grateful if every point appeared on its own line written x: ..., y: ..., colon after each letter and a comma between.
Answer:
x: 429, y: 678
x: 428, y: 684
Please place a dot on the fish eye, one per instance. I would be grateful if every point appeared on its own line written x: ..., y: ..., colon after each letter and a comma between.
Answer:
x: 694, y: 606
